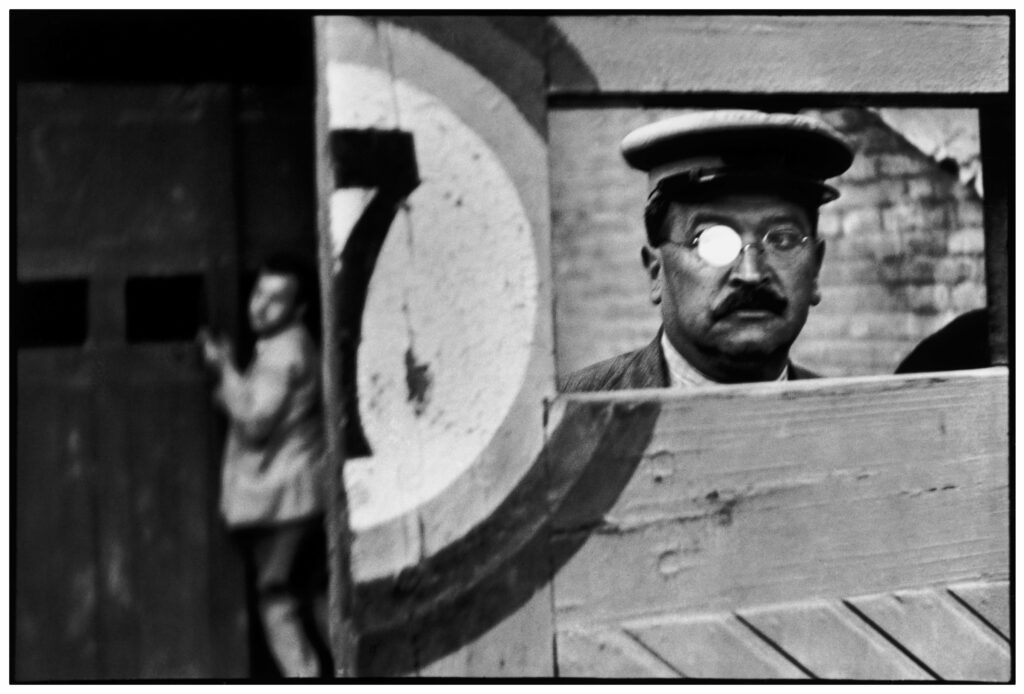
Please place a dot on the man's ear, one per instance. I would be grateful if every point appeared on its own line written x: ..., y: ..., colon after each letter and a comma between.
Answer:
x: 652, y: 262
x: 819, y: 256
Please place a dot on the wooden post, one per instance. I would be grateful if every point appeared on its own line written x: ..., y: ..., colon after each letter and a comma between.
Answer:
x: 996, y: 126
x: 343, y: 635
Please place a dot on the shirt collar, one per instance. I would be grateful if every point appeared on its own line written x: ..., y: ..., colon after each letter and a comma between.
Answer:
x: 682, y: 374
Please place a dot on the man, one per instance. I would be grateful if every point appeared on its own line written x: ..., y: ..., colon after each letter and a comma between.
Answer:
x: 733, y: 254
x: 273, y: 467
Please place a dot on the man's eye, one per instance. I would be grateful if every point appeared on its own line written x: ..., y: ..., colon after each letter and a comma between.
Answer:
x: 784, y: 239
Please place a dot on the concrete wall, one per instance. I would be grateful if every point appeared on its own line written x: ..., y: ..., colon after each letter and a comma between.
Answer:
x: 905, y: 243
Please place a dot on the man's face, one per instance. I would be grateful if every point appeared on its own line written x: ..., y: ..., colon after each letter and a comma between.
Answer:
x: 735, y: 321
x: 272, y: 305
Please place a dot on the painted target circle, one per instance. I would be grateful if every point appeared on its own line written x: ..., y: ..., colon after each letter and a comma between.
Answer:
x: 448, y: 372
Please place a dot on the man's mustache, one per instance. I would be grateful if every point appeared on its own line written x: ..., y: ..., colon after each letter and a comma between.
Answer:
x: 760, y: 298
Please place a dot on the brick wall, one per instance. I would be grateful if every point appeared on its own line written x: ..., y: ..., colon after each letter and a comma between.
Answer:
x: 904, y: 255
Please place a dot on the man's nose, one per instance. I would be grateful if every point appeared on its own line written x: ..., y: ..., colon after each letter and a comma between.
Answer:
x: 749, y: 268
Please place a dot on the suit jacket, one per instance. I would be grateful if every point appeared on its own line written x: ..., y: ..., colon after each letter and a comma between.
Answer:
x: 642, y: 368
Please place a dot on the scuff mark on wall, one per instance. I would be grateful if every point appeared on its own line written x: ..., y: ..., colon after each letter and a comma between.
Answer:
x: 418, y: 379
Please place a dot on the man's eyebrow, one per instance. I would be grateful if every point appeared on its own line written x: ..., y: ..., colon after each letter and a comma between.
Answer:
x: 710, y: 216
x: 724, y: 217
x: 784, y: 217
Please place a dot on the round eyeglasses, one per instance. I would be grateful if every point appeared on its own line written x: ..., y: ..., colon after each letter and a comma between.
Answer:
x: 719, y: 245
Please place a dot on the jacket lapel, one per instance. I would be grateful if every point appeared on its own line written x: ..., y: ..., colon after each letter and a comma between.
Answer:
x: 647, y: 368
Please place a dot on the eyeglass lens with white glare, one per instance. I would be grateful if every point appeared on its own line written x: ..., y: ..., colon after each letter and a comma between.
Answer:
x: 719, y: 245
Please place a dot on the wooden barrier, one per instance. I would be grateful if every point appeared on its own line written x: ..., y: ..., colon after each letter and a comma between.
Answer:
x: 744, y: 531
x: 758, y: 516
x: 734, y: 532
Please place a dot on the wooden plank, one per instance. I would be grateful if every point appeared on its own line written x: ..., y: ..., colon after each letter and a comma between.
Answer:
x: 166, y: 443
x: 227, y: 629
x: 518, y: 646
x: 608, y: 653
x: 713, y: 646
x: 120, y: 553
x: 56, y: 606
x: 104, y: 166
x: 227, y: 622
x: 53, y: 261
x: 434, y: 595
x: 941, y: 633
x: 466, y: 131
x: 342, y: 627
x: 500, y: 143
x: 990, y: 600
x: 758, y: 494
x: 832, y: 642
x: 276, y: 183
x: 143, y: 208
x: 778, y: 54
x: 505, y: 116
x: 167, y: 610
x: 509, y: 51
x: 452, y: 610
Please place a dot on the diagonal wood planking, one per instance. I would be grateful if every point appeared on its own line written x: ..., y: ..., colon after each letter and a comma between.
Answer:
x: 832, y: 642
x: 989, y: 600
x: 904, y: 636
x: 714, y: 646
x: 610, y: 653
x: 941, y: 633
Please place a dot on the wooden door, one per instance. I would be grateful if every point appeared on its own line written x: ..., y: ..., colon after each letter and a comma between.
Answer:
x: 123, y: 569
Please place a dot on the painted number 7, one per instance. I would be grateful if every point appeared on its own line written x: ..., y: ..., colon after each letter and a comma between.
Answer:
x: 374, y: 172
